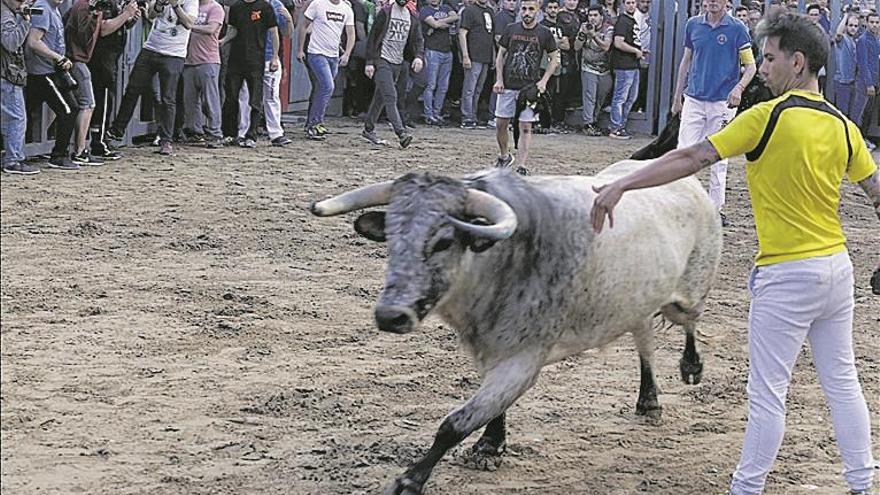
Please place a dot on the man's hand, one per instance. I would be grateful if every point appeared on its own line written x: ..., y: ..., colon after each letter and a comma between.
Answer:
x: 542, y: 86
x: 872, y: 91
x: 735, y: 96
x: 130, y: 10
x: 676, y: 106
x: 604, y: 204
x: 498, y: 88
x: 466, y: 63
x: 64, y: 63
x: 274, y: 64
x: 417, y: 65
x: 343, y: 60
x: 639, y: 54
x: 301, y: 56
x: 369, y: 71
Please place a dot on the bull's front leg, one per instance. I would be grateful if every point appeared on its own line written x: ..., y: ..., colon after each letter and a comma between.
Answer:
x: 502, y: 385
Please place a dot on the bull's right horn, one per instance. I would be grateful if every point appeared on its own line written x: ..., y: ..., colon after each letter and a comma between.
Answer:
x: 364, y: 197
x: 501, y: 216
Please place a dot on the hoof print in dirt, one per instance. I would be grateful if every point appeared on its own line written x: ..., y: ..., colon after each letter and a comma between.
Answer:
x: 403, y: 486
x: 691, y: 372
x: 483, y: 456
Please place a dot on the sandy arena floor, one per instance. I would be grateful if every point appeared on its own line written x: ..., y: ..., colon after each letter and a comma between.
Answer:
x: 184, y: 326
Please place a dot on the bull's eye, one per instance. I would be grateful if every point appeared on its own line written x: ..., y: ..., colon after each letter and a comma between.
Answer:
x: 442, y: 245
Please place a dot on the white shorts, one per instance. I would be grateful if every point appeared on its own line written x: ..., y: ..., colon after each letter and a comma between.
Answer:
x: 505, y: 107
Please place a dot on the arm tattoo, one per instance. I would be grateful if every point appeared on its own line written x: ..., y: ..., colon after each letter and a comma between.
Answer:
x: 871, y: 186
x: 706, y: 153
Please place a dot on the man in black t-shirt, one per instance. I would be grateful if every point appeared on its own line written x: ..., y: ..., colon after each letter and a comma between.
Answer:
x: 476, y: 35
x: 625, y: 56
x: 558, y: 85
x: 249, y: 21
x: 518, y: 63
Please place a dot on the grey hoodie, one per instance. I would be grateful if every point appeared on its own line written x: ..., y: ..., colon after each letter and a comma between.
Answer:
x: 14, y: 32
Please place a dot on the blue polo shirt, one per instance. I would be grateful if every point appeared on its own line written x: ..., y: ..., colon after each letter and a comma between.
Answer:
x: 277, y: 7
x: 715, y: 68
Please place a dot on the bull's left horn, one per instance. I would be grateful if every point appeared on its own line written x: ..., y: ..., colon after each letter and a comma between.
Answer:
x: 500, y: 215
x: 364, y: 197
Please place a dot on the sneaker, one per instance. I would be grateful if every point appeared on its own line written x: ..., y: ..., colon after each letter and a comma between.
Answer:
x: 481, y: 125
x: 106, y: 155
x: 113, y: 135
x: 321, y: 129
x: 405, y: 139
x: 20, y: 168
x: 247, y: 143
x: 313, y: 134
x: 62, y: 163
x: 281, y: 141
x: 410, y: 123
x: 619, y: 134
x: 372, y: 138
x: 469, y: 125
x: 166, y: 149
x: 157, y: 141
x: 194, y: 138
x: 491, y: 124
x: 228, y: 141
x: 504, y: 162
x: 84, y: 159
x: 592, y: 131
x: 213, y: 142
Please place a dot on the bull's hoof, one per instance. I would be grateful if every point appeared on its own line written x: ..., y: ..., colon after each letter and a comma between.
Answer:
x: 691, y: 373
x: 483, y: 456
x: 403, y: 486
x: 650, y: 409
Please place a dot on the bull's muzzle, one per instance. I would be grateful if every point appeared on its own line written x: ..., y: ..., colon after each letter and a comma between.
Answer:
x: 395, y: 319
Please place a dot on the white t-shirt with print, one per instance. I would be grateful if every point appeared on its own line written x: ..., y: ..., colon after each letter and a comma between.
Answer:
x: 328, y: 21
x: 167, y: 36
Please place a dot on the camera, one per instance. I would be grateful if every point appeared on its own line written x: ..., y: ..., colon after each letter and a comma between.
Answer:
x: 26, y: 10
x: 62, y: 77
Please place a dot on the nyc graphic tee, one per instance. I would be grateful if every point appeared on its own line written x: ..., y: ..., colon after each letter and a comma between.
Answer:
x: 396, y: 35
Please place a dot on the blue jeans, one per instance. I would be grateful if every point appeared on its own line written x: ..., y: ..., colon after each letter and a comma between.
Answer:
x: 13, y: 121
x: 439, y: 69
x: 325, y: 69
x: 843, y: 98
x: 474, y: 78
x: 626, y: 89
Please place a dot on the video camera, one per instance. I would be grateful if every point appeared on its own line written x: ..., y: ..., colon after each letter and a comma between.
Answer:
x: 28, y: 10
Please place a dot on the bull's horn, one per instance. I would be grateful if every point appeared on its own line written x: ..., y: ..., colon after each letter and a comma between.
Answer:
x: 500, y: 215
x: 364, y: 197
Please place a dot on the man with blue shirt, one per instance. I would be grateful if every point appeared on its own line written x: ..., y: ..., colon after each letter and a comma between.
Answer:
x: 437, y: 18
x: 844, y: 44
x: 271, y: 84
x: 716, y: 46
x: 867, y: 77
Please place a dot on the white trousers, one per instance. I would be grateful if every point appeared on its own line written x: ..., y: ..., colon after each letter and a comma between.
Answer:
x: 791, y: 302
x: 271, y: 104
x: 699, y: 120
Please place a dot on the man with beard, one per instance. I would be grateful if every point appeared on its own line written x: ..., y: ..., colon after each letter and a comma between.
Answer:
x: 521, y: 49
x: 802, y: 283
x: 558, y: 84
x: 476, y: 37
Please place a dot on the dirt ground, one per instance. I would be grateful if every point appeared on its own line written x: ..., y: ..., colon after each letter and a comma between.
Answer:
x: 184, y: 325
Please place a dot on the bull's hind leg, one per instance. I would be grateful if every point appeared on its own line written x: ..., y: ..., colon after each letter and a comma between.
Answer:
x: 690, y: 365
x: 647, y: 404
x: 501, y: 386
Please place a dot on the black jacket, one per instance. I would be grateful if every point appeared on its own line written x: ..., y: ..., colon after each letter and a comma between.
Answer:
x: 415, y: 44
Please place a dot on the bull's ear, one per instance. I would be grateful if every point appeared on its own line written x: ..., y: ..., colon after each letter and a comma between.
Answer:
x: 371, y: 225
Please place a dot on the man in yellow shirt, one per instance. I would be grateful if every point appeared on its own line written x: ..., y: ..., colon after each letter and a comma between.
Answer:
x: 798, y: 149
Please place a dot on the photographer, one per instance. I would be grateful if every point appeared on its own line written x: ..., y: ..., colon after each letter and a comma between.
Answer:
x: 83, y: 24
x: 48, y: 78
x: 163, y: 54
x: 13, y: 76
x: 594, y: 42
x: 116, y: 19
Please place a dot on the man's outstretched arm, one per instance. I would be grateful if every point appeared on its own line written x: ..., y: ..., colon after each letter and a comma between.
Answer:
x: 871, y: 186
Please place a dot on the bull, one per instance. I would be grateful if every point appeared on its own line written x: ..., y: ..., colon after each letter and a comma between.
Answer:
x: 512, y: 264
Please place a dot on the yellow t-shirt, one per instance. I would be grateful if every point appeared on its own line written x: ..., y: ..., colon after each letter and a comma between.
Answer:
x: 798, y: 148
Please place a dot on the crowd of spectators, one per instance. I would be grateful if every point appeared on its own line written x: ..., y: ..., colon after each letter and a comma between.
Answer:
x: 200, y: 71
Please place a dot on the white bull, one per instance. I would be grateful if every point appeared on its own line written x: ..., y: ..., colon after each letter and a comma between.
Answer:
x: 512, y: 264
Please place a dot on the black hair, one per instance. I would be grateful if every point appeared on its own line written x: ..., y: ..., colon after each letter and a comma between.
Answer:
x: 741, y: 8
x: 596, y: 8
x: 797, y: 33
x: 813, y: 6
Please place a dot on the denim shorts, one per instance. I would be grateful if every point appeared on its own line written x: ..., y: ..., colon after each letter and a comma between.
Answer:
x: 505, y: 107
x: 84, y: 93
